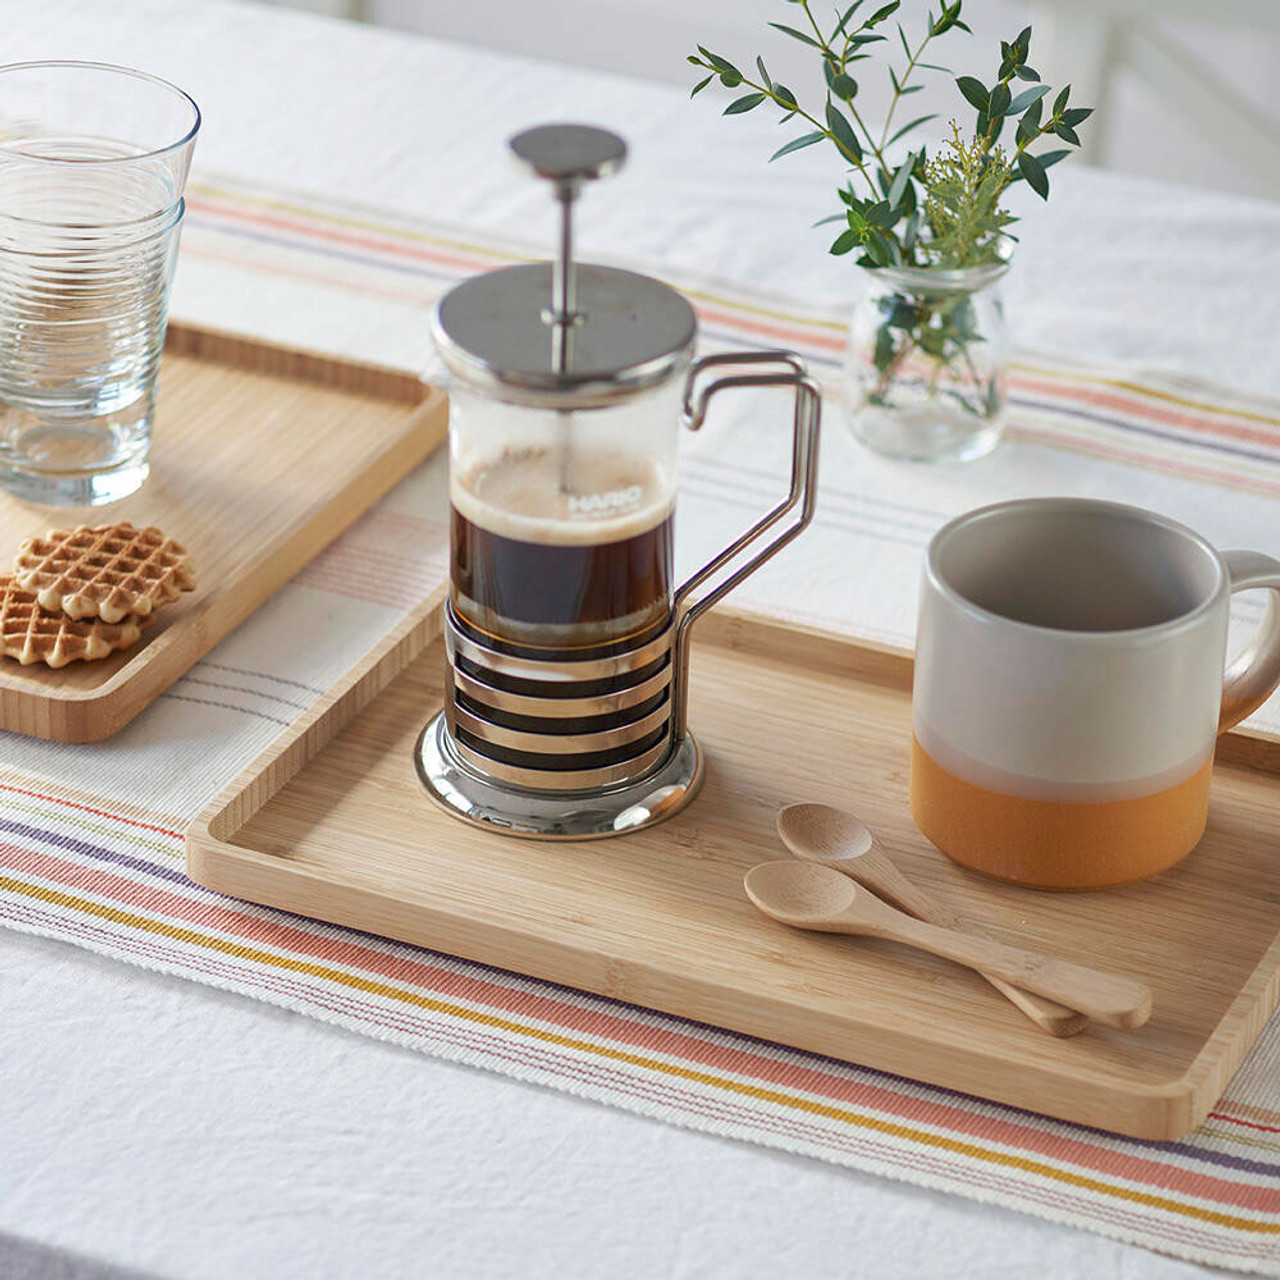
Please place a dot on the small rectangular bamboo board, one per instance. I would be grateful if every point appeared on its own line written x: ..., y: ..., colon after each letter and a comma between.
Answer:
x: 331, y: 822
x: 261, y: 456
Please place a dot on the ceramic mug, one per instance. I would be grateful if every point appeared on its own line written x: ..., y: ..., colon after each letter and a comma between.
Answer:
x: 1069, y: 688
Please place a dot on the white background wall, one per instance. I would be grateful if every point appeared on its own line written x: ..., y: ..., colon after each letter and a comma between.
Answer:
x: 1140, y: 131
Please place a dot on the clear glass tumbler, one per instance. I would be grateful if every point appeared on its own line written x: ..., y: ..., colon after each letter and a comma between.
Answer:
x: 93, y: 161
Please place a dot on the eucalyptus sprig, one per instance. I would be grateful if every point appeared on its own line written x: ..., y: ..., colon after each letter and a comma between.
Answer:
x: 917, y: 212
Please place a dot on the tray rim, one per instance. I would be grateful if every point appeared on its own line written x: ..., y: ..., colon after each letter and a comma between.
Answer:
x: 1173, y: 1107
x: 213, y: 620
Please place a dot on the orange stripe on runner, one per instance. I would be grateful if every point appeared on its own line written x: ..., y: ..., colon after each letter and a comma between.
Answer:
x: 1174, y: 417
x: 362, y: 242
x: 1124, y: 384
x: 1142, y: 461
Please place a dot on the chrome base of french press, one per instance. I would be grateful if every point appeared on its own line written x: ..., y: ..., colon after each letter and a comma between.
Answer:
x: 559, y: 815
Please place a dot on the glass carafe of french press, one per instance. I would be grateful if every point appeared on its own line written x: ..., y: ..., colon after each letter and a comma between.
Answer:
x: 567, y: 637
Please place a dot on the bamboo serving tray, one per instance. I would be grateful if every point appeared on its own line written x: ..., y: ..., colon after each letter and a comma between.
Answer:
x: 261, y: 457
x: 332, y: 822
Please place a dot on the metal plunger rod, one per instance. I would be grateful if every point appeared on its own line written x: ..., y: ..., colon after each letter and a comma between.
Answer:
x: 564, y: 300
x: 564, y: 317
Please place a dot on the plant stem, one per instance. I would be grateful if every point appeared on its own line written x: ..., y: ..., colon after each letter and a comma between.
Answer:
x: 829, y: 52
x: 902, y: 84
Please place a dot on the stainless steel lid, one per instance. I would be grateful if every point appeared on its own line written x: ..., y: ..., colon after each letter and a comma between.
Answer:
x: 565, y: 335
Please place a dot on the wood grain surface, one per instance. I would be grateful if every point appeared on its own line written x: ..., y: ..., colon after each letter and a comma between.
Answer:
x: 332, y: 822
x: 261, y: 457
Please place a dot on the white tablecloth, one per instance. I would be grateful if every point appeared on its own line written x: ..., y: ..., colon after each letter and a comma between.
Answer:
x: 153, y: 1124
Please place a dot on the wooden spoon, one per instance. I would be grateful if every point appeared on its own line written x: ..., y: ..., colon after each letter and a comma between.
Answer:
x: 808, y: 896
x: 838, y: 839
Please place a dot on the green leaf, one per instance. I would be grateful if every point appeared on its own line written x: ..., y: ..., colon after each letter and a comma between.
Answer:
x: 910, y: 230
x: 1025, y: 99
x: 747, y: 102
x: 843, y: 132
x: 720, y: 64
x: 1029, y: 125
x: 797, y: 144
x: 1024, y: 72
x: 844, y: 21
x: 865, y: 37
x: 948, y: 17
x: 906, y: 128
x: 933, y: 66
x: 764, y: 75
x: 697, y: 62
x: 1067, y: 134
x: 998, y: 103
x: 796, y: 35
x: 785, y: 95
x: 1060, y: 102
x: 1033, y: 170
x: 902, y: 35
x: 1049, y: 158
x: 844, y: 87
x: 900, y: 180
x: 884, y: 348
x: 878, y: 248
x: 845, y: 241
x: 880, y: 214
x: 731, y: 79
x: 702, y: 84
x: 932, y: 341
x: 1077, y: 115
x: 831, y: 217
x: 974, y: 91
x: 881, y: 14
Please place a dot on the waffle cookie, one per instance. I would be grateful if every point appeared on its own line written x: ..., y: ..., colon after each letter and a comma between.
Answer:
x: 110, y: 571
x: 32, y: 634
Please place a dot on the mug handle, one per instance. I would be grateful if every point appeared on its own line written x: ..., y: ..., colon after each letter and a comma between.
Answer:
x: 1255, y: 672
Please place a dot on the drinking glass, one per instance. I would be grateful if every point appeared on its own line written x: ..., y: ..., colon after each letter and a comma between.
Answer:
x: 93, y: 160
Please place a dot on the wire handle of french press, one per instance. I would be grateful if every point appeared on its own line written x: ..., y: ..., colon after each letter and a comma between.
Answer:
x: 806, y: 425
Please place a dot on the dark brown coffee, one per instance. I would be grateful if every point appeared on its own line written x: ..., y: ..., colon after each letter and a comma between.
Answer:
x: 537, y: 567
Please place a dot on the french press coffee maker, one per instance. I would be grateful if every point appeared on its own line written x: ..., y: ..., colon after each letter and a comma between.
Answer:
x: 568, y: 642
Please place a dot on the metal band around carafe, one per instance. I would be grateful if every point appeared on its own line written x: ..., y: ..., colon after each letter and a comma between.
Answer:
x: 547, y: 724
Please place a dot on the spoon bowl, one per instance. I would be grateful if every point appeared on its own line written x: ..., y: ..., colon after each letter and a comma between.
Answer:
x: 823, y: 833
x: 799, y: 894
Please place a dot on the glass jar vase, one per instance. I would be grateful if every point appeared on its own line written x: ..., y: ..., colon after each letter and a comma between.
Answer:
x: 927, y: 362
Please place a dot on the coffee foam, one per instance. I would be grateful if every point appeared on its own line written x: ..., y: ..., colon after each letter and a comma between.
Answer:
x: 609, y: 497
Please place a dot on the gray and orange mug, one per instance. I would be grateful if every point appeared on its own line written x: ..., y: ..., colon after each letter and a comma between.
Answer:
x: 1069, y: 688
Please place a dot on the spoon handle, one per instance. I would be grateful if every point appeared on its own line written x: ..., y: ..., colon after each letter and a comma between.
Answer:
x: 1048, y: 1015
x: 1111, y: 998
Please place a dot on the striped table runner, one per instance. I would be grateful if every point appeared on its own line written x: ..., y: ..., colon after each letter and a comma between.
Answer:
x: 101, y: 865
